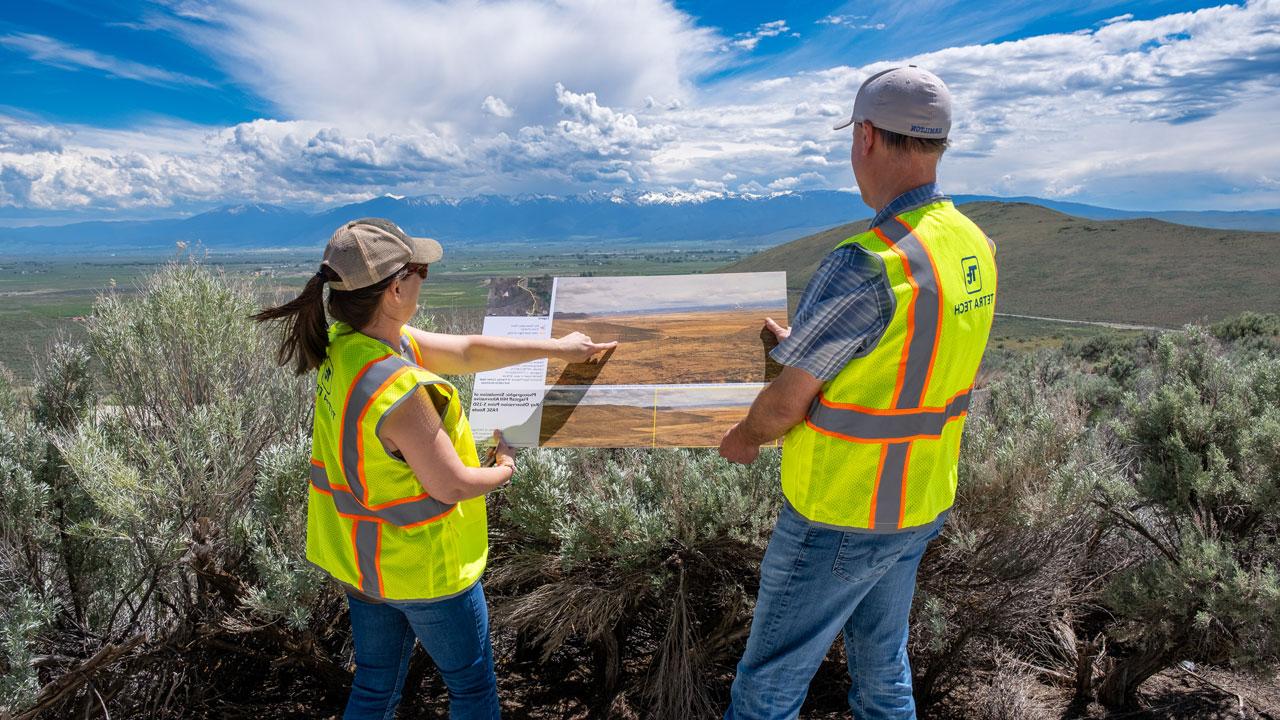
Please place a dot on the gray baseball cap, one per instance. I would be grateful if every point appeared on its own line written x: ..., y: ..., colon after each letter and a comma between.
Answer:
x: 366, y: 251
x: 906, y: 100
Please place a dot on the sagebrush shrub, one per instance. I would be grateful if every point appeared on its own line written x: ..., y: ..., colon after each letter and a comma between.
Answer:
x: 646, y: 555
x: 140, y: 503
x: 1123, y: 494
x: 1202, y: 508
x: 1022, y: 541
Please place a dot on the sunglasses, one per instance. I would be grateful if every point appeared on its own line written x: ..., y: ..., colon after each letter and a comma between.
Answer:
x: 419, y: 269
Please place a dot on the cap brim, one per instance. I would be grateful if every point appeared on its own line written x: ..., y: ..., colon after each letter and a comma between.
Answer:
x: 425, y: 251
x: 843, y: 125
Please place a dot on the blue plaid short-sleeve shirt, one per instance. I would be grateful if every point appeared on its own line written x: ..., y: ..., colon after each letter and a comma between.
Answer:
x: 847, y: 304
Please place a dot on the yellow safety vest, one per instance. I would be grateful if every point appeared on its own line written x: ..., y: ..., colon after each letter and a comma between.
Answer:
x: 880, y: 445
x: 370, y: 523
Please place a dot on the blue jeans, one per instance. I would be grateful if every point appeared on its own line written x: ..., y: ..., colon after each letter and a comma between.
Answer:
x: 454, y: 632
x: 814, y: 583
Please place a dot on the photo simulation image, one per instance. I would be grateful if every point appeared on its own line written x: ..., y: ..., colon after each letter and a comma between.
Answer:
x: 655, y: 416
x: 519, y: 297
x: 674, y: 329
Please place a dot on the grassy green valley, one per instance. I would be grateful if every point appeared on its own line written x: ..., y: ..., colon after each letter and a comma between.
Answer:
x: 42, y: 299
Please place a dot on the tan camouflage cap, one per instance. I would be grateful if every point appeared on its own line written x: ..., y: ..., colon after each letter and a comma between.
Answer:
x: 366, y: 251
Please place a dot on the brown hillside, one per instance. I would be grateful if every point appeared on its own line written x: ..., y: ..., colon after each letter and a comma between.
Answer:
x: 1054, y: 265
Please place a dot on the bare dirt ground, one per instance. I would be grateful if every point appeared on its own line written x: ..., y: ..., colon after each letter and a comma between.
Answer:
x: 565, y: 686
x: 1171, y: 695
x: 674, y: 348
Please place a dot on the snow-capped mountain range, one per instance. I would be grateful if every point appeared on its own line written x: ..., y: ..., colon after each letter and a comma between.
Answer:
x: 681, y: 218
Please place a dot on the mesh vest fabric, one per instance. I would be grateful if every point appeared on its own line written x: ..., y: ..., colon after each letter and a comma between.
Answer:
x: 370, y: 524
x: 879, y: 448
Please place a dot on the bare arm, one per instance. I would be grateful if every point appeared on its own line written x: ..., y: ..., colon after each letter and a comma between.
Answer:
x: 462, y: 354
x: 781, y: 406
x: 415, y: 429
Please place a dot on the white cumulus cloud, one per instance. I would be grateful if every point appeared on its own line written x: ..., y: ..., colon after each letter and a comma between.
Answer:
x: 1168, y: 112
x: 495, y: 107
x: 749, y: 40
x: 435, y: 62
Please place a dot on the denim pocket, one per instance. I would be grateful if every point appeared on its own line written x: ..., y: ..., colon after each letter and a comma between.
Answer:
x: 866, y: 556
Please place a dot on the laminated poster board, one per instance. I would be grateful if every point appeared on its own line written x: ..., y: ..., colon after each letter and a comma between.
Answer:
x: 692, y: 356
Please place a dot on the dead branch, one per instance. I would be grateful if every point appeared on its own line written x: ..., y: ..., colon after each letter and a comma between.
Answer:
x: 71, y: 681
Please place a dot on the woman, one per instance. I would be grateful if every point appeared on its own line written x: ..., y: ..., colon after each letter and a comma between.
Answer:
x: 396, y: 509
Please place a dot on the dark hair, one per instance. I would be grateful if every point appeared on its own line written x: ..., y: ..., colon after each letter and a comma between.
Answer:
x: 907, y: 143
x: 306, y: 329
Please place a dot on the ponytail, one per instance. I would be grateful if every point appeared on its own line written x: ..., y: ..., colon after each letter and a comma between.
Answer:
x: 306, y: 330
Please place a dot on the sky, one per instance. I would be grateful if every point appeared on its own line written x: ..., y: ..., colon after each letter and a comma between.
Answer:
x: 605, y: 295
x: 144, y: 109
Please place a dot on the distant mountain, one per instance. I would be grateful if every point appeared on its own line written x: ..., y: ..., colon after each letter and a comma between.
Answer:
x: 236, y: 226
x: 1052, y: 264
x: 755, y: 221
x: 665, y: 219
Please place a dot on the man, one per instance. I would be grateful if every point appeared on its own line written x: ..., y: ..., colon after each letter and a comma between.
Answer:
x: 872, y: 398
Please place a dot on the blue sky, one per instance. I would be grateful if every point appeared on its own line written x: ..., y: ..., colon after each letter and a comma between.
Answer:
x: 152, y: 109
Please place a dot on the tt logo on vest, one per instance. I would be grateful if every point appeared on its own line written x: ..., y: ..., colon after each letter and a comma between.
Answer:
x: 972, y: 275
x: 973, y: 285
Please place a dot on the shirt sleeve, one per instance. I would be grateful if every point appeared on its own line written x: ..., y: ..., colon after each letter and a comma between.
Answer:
x: 845, y: 308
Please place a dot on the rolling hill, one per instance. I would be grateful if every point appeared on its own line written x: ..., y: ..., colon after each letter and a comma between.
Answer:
x: 1056, y: 265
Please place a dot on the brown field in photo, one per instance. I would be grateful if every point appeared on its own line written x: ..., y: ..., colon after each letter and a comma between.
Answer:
x: 696, y: 427
x: 672, y: 348
x: 624, y: 417
x: 596, y: 426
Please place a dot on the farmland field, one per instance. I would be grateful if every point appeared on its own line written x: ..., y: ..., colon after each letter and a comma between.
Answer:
x: 45, y: 298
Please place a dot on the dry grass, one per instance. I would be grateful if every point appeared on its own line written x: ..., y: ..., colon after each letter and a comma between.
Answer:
x: 1144, y: 274
x: 631, y: 426
x: 597, y: 426
x: 674, y: 348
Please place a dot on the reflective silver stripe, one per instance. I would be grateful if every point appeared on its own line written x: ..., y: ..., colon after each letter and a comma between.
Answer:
x: 366, y: 535
x: 406, y: 348
x: 919, y: 357
x: 366, y: 384
x: 860, y: 425
x: 404, y: 514
x: 889, y: 494
x: 926, y: 308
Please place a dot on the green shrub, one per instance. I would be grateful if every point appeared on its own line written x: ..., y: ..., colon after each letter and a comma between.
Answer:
x: 1022, y: 543
x: 648, y: 556
x: 169, y: 502
x: 152, y: 504
x: 24, y: 615
x: 27, y: 600
x: 1202, y: 507
x: 1247, y: 325
x: 274, y: 530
